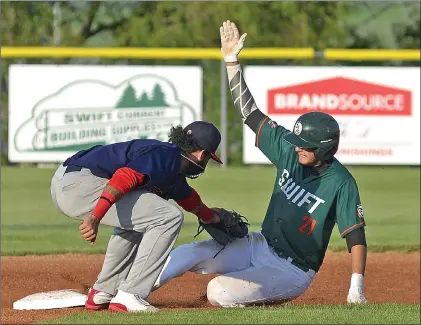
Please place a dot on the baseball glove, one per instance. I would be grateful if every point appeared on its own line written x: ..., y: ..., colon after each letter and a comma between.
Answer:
x: 230, y: 227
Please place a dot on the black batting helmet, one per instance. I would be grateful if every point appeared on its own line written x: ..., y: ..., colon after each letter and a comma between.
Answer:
x: 316, y: 130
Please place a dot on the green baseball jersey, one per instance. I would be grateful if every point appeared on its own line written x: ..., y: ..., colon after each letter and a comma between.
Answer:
x: 304, y: 210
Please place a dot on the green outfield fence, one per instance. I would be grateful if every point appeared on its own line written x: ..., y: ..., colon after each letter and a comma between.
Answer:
x: 211, y: 54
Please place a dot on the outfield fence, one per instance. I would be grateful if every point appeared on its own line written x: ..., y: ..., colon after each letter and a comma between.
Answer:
x: 212, y: 54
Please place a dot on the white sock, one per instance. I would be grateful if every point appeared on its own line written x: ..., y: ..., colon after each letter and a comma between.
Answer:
x: 357, y: 280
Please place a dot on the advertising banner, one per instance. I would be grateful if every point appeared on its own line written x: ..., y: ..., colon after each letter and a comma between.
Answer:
x: 57, y: 110
x: 377, y: 108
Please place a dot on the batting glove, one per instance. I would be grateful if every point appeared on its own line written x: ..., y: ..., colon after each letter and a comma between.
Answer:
x: 355, y: 296
x: 231, y: 42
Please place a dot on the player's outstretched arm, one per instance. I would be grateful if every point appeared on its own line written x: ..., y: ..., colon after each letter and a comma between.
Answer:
x: 231, y: 45
x: 193, y: 203
x: 358, y: 265
x: 269, y: 135
x: 351, y: 224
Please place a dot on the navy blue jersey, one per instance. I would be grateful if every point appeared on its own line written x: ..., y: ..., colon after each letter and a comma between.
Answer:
x: 160, y: 161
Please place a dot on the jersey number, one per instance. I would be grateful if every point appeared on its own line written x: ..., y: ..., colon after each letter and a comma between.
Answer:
x: 308, y: 226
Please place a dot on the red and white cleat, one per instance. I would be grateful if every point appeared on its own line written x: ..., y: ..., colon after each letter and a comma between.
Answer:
x: 97, y: 300
x: 127, y: 302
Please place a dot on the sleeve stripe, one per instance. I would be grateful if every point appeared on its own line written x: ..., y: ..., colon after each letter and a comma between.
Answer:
x: 258, y: 131
x: 352, y: 227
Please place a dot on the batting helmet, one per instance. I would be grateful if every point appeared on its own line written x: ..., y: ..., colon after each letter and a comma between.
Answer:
x: 316, y: 130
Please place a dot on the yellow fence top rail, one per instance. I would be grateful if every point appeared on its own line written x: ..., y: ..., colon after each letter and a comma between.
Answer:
x: 371, y: 55
x: 150, y: 53
x: 206, y: 53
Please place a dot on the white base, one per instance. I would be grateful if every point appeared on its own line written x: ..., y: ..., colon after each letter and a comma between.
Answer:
x: 51, y: 300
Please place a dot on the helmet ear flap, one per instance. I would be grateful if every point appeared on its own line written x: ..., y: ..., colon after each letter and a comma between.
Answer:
x: 326, y: 153
x: 319, y: 154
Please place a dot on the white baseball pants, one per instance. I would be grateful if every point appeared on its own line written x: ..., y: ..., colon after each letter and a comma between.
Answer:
x: 251, y: 272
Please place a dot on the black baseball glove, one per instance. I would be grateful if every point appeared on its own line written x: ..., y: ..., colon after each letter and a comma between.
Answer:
x: 230, y: 227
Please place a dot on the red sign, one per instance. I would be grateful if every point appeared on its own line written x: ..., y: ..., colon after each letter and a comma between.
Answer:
x: 340, y: 96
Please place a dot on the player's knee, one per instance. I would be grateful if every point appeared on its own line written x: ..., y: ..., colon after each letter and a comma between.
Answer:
x: 219, y: 295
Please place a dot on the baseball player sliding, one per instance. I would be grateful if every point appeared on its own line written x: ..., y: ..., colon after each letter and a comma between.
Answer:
x: 127, y: 185
x: 312, y: 191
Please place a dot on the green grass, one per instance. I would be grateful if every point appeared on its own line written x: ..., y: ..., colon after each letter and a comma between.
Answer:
x: 31, y: 225
x: 369, y: 314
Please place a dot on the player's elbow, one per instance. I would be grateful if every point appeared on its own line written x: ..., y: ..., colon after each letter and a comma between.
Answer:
x: 254, y: 120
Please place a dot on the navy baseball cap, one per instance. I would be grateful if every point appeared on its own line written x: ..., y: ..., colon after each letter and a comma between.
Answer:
x: 207, y: 137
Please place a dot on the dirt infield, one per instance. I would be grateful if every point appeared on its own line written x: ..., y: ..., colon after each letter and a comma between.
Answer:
x: 390, y: 277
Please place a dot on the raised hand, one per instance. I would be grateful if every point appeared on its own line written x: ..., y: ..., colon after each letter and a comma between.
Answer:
x: 231, y: 42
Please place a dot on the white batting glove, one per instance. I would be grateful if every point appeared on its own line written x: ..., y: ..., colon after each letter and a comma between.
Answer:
x: 231, y: 42
x: 355, y: 296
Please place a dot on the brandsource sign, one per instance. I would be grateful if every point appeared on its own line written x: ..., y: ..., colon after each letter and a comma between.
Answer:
x: 377, y: 108
x: 340, y: 96
x: 76, y: 107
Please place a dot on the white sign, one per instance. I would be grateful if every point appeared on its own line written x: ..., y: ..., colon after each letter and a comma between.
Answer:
x: 377, y: 108
x: 57, y: 110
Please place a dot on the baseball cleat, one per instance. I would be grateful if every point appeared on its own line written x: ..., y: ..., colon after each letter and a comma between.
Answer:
x: 127, y: 302
x: 97, y: 300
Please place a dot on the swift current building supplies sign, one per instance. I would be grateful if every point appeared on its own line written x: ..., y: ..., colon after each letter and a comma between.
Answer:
x: 377, y: 108
x: 55, y: 111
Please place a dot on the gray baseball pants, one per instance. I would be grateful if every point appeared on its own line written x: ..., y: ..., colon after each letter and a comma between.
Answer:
x: 146, y: 228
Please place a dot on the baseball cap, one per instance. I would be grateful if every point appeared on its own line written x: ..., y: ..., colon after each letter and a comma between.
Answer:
x: 207, y: 137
